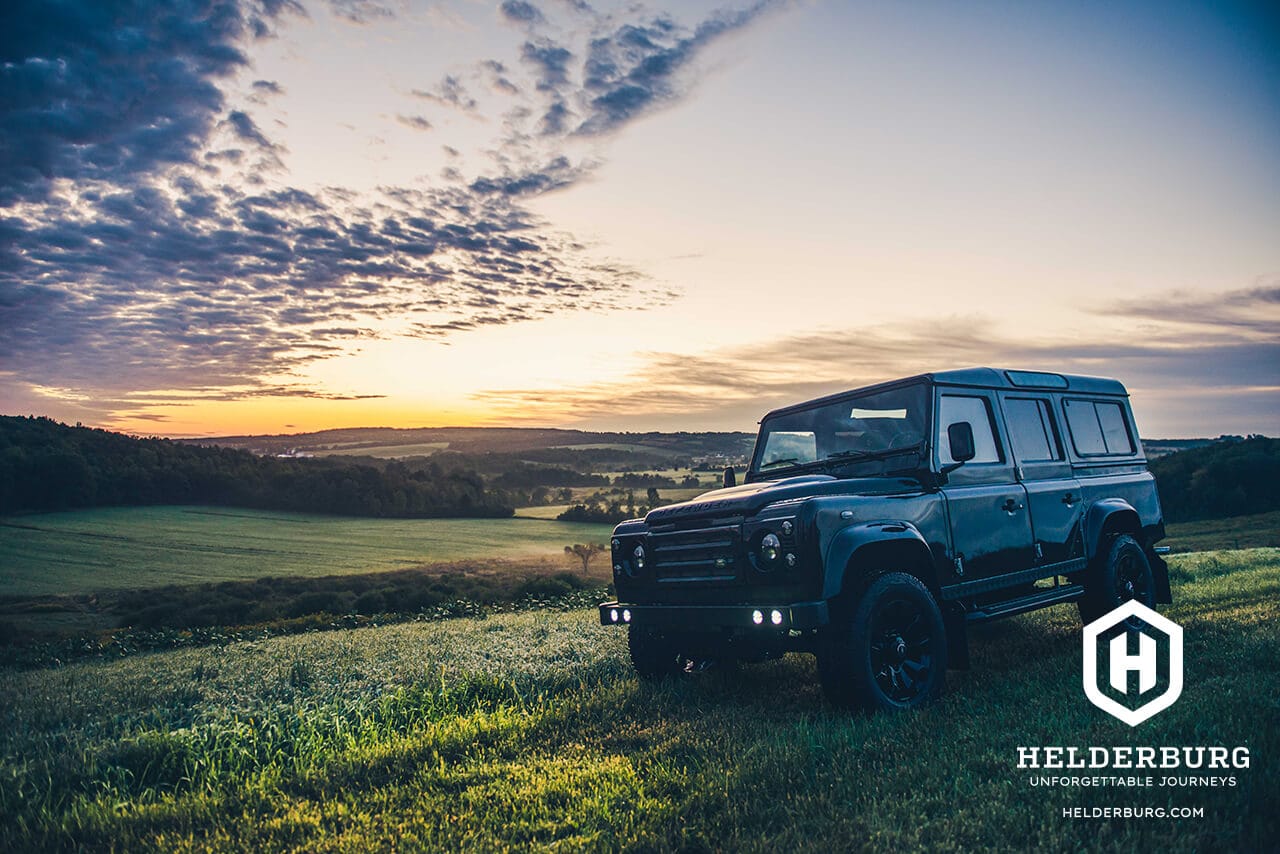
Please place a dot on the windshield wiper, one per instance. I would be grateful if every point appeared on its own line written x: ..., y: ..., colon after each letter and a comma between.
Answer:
x: 778, y: 462
x: 850, y: 454
x: 871, y: 455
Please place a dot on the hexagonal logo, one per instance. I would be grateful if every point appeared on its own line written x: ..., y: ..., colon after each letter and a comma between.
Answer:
x: 1143, y: 671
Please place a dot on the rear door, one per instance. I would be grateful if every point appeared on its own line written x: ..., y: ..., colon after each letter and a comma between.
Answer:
x: 986, y: 505
x: 1041, y: 465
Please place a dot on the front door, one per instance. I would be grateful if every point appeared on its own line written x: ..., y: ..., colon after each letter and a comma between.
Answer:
x: 1053, y: 493
x: 986, y: 505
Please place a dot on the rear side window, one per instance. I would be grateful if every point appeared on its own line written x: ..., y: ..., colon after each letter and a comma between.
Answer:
x: 1031, y: 430
x: 1115, y: 432
x: 1098, y: 427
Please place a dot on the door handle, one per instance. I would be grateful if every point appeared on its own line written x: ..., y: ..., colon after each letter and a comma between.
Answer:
x: 1011, y: 506
x: 1069, y: 499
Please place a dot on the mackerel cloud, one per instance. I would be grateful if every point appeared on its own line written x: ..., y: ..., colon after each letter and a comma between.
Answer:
x: 149, y: 237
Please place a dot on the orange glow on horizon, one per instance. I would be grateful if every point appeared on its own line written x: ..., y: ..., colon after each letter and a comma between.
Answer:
x: 286, y: 415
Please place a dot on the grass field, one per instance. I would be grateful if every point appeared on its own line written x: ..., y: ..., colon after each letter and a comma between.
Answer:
x: 1236, y: 532
x: 530, y: 731
x: 120, y: 547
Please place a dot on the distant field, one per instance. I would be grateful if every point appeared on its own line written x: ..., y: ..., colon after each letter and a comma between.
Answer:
x: 419, y: 449
x: 623, y: 446
x: 550, y: 511
x: 1236, y: 532
x: 121, y: 547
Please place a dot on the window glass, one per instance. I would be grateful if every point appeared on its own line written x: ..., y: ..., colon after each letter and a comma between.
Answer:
x: 1114, y: 431
x: 952, y: 410
x: 1086, y: 432
x: 1030, y: 431
x: 789, y: 448
x: 844, y: 431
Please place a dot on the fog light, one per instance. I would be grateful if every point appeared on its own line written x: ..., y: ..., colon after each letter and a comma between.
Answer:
x: 775, y: 617
x: 757, y: 617
x: 626, y: 615
x: 613, y: 614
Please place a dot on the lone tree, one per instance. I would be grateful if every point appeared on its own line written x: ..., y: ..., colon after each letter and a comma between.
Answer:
x: 584, y: 553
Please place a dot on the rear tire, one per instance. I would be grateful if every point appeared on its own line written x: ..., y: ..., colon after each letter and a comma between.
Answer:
x: 892, y: 651
x: 1124, y: 573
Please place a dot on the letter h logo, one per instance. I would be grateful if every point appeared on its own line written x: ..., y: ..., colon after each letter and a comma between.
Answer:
x: 1146, y: 662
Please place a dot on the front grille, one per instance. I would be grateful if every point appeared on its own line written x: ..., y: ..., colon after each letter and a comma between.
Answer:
x: 701, y: 554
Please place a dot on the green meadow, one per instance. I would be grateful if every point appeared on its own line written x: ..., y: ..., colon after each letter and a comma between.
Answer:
x: 123, y: 547
x: 529, y: 731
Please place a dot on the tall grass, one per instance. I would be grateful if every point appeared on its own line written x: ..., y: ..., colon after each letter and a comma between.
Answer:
x: 529, y: 730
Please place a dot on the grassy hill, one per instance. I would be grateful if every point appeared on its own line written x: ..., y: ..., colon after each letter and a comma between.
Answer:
x: 529, y: 731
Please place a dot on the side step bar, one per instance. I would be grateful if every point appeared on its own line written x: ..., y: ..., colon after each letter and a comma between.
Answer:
x: 1049, y: 596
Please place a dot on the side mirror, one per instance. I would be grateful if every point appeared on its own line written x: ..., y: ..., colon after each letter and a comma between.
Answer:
x: 960, y: 437
x: 730, y: 478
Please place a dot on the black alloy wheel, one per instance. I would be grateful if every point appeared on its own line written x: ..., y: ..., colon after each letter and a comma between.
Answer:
x: 891, y: 653
x: 1121, y: 574
x: 901, y: 649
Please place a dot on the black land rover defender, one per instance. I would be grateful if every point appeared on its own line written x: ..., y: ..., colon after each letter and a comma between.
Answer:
x: 874, y: 525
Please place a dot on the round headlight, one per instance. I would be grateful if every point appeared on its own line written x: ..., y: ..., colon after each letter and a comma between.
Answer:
x: 638, y: 554
x: 770, y: 548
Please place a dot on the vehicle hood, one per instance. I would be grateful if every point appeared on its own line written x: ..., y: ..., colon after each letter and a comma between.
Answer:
x: 749, y: 498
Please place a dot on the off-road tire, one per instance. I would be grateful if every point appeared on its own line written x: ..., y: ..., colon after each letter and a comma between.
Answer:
x: 1120, y: 574
x: 890, y: 653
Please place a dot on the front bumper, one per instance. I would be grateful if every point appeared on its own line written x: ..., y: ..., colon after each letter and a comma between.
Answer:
x: 797, y: 615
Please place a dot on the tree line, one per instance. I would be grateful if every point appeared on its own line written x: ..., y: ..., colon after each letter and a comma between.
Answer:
x: 1232, y: 477
x: 45, y: 465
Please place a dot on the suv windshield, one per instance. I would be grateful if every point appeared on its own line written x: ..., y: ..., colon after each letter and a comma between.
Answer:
x: 853, y: 428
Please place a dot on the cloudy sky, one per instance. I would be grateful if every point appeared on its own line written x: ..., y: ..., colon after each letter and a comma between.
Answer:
x: 248, y: 216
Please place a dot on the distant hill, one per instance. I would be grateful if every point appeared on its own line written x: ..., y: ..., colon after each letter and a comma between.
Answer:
x: 1230, y: 477
x: 1155, y: 448
x: 477, y: 471
x: 45, y: 465
x: 388, y: 442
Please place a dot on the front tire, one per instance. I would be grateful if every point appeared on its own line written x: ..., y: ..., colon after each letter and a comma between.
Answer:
x: 1124, y: 574
x: 891, y: 653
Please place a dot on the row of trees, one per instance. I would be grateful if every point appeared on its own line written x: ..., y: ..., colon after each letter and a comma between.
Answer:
x: 1227, y: 478
x: 612, y: 507
x: 45, y: 465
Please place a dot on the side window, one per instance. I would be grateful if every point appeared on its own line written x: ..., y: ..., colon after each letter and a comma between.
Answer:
x: 952, y: 410
x: 1031, y: 430
x: 1098, y: 427
x: 1114, y: 430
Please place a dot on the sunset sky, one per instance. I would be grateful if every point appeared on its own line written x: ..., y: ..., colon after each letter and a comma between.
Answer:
x: 225, y: 217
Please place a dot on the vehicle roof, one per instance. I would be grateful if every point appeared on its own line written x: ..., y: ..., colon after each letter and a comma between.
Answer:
x: 996, y: 378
